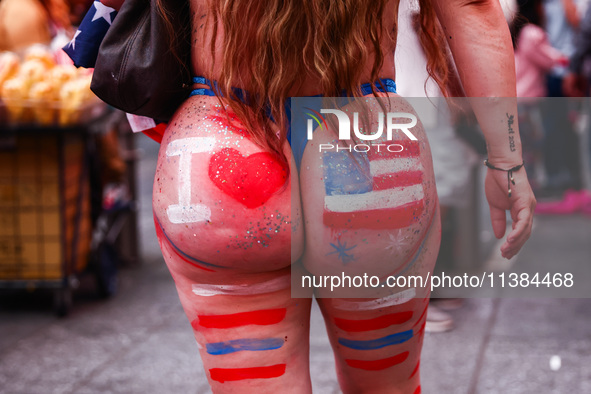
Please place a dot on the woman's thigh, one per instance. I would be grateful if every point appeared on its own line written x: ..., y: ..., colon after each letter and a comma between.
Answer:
x: 223, y: 216
x: 372, y: 214
x: 251, y: 334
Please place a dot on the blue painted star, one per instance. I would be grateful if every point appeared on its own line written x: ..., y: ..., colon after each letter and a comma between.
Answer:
x: 341, y: 251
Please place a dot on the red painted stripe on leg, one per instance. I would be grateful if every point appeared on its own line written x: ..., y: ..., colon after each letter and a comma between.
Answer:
x: 420, y: 318
x: 373, y: 324
x: 261, y: 318
x: 418, y: 390
x: 397, y: 179
x: 378, y: 365
x: 232, y: 374
x: 414, y: 372
x: 422, y: 329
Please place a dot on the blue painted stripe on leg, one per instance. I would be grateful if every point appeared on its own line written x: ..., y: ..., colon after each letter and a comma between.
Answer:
x: 239, y: 345
x: 378, y: 343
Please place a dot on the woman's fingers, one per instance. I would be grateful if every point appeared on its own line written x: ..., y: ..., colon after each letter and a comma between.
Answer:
x: 499, y: 221
x: 522, y: 225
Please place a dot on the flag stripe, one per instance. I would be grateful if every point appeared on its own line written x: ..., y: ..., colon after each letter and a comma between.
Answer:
x: 261, y: 318
x: 411, y: 149
x: 378, y: 365
x: 381, y: 167
x: 397, y: 179
x: 376, y: 200
x: 232, y: 374
x: 373, y: 324
x: 377, y: 219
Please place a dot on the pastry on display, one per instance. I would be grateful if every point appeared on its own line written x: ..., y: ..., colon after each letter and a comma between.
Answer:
x: 36, y: 90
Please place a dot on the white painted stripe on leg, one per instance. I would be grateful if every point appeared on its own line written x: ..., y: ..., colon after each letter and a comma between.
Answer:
x: 206, y: 290
x: 391, y: 300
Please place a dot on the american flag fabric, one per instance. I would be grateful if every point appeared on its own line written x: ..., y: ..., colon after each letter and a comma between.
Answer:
x: 84, y: 46
x: 148, y: 126
x: 374, y: 190
x: 83, y: 50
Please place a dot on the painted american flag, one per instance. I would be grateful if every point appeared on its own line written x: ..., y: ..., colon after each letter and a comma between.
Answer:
x: 374, y: 190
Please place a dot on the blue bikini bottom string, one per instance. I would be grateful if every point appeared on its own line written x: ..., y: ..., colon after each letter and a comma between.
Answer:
x: 382, y: 85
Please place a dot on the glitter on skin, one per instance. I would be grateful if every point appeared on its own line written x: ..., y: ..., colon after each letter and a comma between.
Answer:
x: 262, y: 232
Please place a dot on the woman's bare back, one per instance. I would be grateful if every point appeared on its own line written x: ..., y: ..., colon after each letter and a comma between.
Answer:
x: 202, y: 31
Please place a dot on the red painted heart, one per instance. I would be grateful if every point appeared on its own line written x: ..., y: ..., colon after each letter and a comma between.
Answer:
x: 250, y: 180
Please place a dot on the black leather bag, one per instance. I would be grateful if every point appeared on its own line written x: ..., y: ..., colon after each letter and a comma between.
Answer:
x: 136, y: 70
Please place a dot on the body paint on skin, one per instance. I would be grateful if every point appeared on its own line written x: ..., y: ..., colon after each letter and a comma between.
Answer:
x: 184, y: 256
x: 373, y: 324
x: 223, y: 122
x: 378, y: 365
x: 246, y: 344
x: 184, y: 211
x: 414, y: 372
x: 418, y: 248
x: 233, y: 374
x: 373, y: 190
x: 391, y: 300
x: 270, y: 286
x: 341, y: 250
x: 420, y: 318
x: 262, y: 317
x: 399, y: 243
x: 377, y: 343
x: 250, y: 180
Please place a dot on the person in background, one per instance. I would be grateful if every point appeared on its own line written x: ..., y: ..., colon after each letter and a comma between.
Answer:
x: 534, y: 56
x: 562, y: 21
x: 562, y: 155
x: 534, y: 59
x: 576, y: 84
x: 562, y: 162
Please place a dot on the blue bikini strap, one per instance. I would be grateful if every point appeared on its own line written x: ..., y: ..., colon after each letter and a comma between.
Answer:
x: 203, y: 91
x: 381, y: 85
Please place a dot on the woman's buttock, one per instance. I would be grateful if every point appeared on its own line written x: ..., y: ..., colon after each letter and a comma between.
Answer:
x: 220, y: 202
x: 372, y: 210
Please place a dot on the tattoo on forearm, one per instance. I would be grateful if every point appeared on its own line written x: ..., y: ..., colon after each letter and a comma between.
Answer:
x: 510, y: 121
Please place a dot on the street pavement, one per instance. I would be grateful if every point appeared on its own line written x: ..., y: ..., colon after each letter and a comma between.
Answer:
x: 140, y: 341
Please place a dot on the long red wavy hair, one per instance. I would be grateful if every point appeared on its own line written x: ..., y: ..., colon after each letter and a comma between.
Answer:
x: 280, y: 41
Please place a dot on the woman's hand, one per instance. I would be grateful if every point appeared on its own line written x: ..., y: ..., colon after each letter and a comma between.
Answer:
x: 521, y: 204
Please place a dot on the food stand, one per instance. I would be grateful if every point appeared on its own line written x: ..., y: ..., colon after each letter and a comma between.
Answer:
x: 46, y: 116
